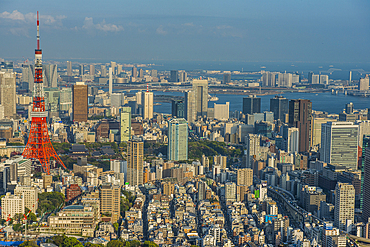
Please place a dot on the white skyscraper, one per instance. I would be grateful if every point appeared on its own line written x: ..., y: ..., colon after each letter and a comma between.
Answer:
x: 293, y: 140
x: 339, y: 143
x: 177, y: 139
x: 147, y: 102
x: 269, y: 79
x: 252, y: 146
x: 116, y: 99
x: 51, y: 75
x: 190, y: 113
x: 221, y: 111
x: 315, y: 79
x: 324, y: 79
x: 284, y: 80
x: 344, y: 210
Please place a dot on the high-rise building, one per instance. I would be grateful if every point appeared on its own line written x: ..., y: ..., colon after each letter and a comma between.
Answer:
x: 183, y: 76
x: 177, y: 139
x: 113, y: 65
x: 253, y: 148
x: 117, y: 99
x: 135, y: 162
x: 221, y: 111
x: 363, y: 84
x: 316, y: 129
x: 110, y: 199
x: 201, y: 190
x: 154, y: 73
x: 81, y: 69
x: 110, y: 85
x: 200, y: 88
x: 92, y: 69
x: 339, y: 144
x: 147, y: 102
x: 219, y: 160
x: 251, y: 105
x: 190, y: 113
x: 103, y: 70
x: 230, y: 192
x: 52, y: 98
x: 79, y: 96
x: 280, y: 107
x: 344, y: 210
x: 8, y: 93
x: 11, y: 205
x: 65, y: 99
x: 292, y: 140
x: 244, y: 177
x: 269, y: 79
x: 134, y: 72
x: 69, y: 68
x: 178, y: 108
x: 125, y: 122
x: 227, y: 78
x: 29, y: 195
x: 349, y: 108
x: 324, y: 79
x: 141, y: 73
x: 51, y: 75
x: 27, y: 75
x: 300, y: 116
x: 284, y: 80
x: 174, y: 75
x: 119, y: 69
x: 365, y: 182
x: 168, y: 188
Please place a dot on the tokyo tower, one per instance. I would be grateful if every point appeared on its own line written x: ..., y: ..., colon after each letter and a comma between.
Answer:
x: 39, y: 146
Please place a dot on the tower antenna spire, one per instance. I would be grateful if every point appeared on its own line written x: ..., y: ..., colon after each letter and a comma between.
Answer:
x: 38, y: 32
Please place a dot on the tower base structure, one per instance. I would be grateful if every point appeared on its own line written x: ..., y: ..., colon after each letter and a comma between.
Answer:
x: 39, y: 146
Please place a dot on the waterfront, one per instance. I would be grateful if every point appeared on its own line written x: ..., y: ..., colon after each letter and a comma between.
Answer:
x: 327, y: 102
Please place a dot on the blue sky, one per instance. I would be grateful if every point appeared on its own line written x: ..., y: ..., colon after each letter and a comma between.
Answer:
x: 218, y: 30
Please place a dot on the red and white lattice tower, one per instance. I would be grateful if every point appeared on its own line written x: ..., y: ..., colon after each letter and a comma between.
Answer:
x: 39, y: 146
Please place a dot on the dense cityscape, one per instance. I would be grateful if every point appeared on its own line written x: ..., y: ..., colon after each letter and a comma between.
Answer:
x: 126, y: 154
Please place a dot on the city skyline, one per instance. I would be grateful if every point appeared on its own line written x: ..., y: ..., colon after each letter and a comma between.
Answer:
x: 245, y: 31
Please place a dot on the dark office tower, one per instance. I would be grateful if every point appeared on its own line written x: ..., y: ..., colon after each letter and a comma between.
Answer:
x: 79, y: 105
x: 227, y: 78
x: 365, y: 146
x: 174, y: 75
x: 349, y: 108
x: 178, y: 108
x: 251, y: 105
x: 300, y: 115
x: 280, y: 107
x: 366, y: 186
x: 81, y: 69
x: 134, y: 72
x: 310, y: 74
